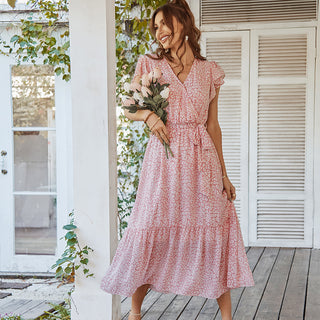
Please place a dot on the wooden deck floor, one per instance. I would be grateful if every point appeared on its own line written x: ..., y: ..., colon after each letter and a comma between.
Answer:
x: 287, y: 287
x: 287, y: 282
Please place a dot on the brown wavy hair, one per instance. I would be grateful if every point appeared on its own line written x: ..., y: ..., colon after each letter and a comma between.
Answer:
x: 181, y: 10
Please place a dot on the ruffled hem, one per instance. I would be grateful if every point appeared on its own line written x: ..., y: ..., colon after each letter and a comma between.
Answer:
x: 188, y: 260
x: 176, y: 290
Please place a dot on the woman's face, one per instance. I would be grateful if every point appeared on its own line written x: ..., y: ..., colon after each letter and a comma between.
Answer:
x: 164, y: 34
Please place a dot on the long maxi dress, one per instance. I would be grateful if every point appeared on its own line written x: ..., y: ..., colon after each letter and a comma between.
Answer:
x: 183, y: 234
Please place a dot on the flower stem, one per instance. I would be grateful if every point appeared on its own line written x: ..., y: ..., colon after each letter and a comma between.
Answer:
x: 166, y: 147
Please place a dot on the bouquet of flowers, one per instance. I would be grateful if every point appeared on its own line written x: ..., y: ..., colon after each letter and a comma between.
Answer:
x: 146, y: 92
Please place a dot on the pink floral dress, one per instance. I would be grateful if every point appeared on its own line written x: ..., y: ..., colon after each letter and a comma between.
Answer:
x: 183, y: 234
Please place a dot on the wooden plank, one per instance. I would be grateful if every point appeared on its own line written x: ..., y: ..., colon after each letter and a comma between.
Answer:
x: 4, y: 294
x: 10, y: 305
x: 272, y: 297
x: 158, y: 308
x: 150, y: 298
x: 313, y: 296
x: 36, y: 310
x: 209, y: 310
x: 294, y: 298
x: 14, y: 285
x: 30, y: 305
x: 175, y: 308
x: 192, y: 308
x: 251, y: 296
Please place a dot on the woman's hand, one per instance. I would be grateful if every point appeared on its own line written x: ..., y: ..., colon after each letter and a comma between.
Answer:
x: 230, y: 189
x: 159, y: 129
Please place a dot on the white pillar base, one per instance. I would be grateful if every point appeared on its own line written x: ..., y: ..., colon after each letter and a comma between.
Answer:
x: 94, y: 306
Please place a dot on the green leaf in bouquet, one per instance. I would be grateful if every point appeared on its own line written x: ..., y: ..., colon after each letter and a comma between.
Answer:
x: 151, y: 103
x: 154, y: 90
x: 163, y: 86
x: 160, y: 112
x: 164, y: 118
x: 165, y: 104
x: 157, y: 98
x: 148, y: 99
x: 132, y: 108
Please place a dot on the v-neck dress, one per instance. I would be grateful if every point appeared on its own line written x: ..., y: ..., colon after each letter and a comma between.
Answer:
x: 183, y: 234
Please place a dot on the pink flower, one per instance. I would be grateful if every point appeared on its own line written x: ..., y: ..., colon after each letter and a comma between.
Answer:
x: 150, y: 76
x: 128, y: 102
x: 155, y: 74
x: 145, y: 91
x: 134, y: 86
x: 145, y: 80
x: 136, y: 79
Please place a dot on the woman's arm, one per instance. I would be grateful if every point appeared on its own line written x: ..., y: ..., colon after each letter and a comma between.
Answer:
x: 139, y: 115
x: 214, y: 129
x: 158, y: 127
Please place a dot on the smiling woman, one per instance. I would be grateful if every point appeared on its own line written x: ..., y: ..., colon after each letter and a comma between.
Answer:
x: 183, y: 235
x: 174, y: 29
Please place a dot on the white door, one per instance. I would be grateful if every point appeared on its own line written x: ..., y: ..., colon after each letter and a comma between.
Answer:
x: 32, y: 161
x: 281, y: 137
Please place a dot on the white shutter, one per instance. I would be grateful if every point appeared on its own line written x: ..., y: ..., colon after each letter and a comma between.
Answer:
x: 235, y: 11
x: 281, y: 137
x: 231, y: 52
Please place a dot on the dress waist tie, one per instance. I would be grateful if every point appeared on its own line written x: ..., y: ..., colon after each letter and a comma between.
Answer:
x: 201, y: 138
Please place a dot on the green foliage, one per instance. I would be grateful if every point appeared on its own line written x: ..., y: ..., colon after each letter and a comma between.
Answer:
x: 60, y: 311
x: 43, y: 38
x: 10, y: 317
x: 12, y: 3
x: 73, y: 257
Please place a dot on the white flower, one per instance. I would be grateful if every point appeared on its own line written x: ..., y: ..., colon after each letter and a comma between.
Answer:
x: 165, y: 93
x: 138, y: 96
x: 145, y: 91
x: 126, y: 87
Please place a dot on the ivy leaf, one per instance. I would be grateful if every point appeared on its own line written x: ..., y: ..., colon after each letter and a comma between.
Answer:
x: 70, y: 235
x: 14, y: 38
x: 69, y: 227
x: 12, y: 3
x: 84, y: 261
x: 72, y: 242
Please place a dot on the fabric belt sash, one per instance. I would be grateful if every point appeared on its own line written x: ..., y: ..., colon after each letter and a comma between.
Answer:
x: 201, y: 138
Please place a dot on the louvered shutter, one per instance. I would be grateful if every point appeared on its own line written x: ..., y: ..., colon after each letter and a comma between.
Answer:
x: 235, y: 11
x: 281, y: 137
x: 230, y: 51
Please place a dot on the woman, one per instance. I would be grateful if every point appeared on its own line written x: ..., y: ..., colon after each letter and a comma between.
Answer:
x: 183, y: 234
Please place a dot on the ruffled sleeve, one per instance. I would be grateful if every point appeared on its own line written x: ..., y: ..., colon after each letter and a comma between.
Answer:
x: 217, y: 76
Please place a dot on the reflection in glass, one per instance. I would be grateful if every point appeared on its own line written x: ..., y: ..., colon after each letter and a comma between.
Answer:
x: 33, y: 96
x: 34, y: 161
x: 35, y: 224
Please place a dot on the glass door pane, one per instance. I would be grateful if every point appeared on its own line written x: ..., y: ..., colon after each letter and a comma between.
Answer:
x: 34, y: 138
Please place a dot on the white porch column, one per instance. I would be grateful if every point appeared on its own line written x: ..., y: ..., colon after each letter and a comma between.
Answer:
x: 92, y: 29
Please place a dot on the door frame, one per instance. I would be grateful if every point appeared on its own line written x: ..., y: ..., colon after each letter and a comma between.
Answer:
x: 9, y: 261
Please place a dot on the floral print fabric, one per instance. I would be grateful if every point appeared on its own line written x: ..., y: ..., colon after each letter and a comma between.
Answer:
x: 183, y: 234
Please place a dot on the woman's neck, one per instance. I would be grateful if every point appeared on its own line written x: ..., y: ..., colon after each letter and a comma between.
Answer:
x: 187, y: 58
